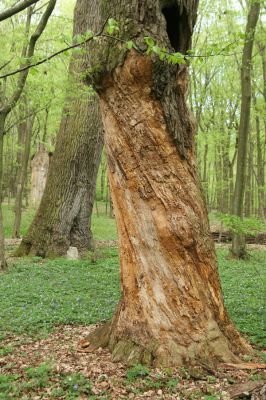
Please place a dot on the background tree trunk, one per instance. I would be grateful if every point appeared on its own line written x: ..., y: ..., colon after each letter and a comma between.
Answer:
x: 7, y: 104
x: 63, y: 217
x: 238, y: 249
x: 260, y: 164
x: 27, y: 126
x: 171, y: 311
x: 3, y: 263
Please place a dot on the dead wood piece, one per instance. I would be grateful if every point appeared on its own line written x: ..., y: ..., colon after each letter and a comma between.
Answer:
x: 245, y: 389
x: 243, y: 366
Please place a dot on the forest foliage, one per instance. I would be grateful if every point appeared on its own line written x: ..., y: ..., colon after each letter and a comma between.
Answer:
x: 214, y: 97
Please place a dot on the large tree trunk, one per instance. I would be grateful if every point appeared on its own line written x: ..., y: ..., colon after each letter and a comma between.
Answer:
x: 172, y: 310
x: 238, y: 249
x: 63, y: 218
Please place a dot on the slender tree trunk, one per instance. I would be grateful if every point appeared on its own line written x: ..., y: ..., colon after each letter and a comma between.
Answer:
x: 205, y: 172
x: 64, y: 215
x: 238, y: 249
x: 260, y: 164
x: 248, y: 192
x: 103, y: 176
x: 21, y: 138
x: 231, y: 174
x: 171, y: 311
x: 3, y: 263
x: 219, y: 178
x: 28, y: 126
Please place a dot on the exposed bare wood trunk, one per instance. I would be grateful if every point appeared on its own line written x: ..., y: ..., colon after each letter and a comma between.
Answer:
x: 39, y: 171
x: 238, y: 249
x: 171, y: 311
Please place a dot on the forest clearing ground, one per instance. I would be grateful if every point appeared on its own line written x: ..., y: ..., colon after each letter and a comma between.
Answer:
x: 56, y: 368
x: 43, y: 319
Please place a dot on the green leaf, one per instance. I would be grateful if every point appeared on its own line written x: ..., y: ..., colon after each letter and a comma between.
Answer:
x: 34, y: 71
x: 149, y: 41
x: 130, y: 44
x: 112, y: 26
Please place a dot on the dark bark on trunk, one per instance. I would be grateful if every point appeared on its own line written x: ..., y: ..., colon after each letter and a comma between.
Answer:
x: 171, y: 311
x: 64, y: 215
x: 238, y: 249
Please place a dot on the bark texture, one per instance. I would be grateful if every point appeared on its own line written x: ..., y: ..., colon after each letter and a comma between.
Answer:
x: 171, y: 311
x: 63, y: 217
x: 238, y: 249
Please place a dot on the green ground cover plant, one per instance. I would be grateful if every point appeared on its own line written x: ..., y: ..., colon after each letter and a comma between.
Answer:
x: 37, y: 294
x: 103, y: 227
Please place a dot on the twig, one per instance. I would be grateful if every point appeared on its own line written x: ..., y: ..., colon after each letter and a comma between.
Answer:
x: 73, y: 46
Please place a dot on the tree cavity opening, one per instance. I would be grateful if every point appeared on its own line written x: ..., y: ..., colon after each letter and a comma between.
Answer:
x: 177, y: 27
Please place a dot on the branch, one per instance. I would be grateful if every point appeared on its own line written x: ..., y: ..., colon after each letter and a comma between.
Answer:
x: 6, y: 64
x: 107, y: 36
x: 16, y: 9
x: 48, y: 58
x: 30, y: 52
x: 35, y: 112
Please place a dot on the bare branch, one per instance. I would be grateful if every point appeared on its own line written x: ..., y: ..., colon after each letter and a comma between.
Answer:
x: 16, y: 9
x: 6, y: 64
x: 34, y: 112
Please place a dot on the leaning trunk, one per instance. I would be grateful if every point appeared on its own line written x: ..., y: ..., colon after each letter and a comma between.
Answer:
x: 238, y: 249
x: 63, y: 217
x: 172, y: 310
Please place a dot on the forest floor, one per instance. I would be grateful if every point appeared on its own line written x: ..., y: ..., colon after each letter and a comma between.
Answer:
x: 44, y: 318
x: 48, y: 306
x: 55, y: 367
